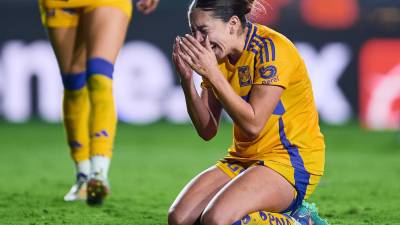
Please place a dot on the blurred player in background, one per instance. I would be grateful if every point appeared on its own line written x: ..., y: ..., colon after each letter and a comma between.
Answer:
x: 86, y: 36
x: 257, y: 76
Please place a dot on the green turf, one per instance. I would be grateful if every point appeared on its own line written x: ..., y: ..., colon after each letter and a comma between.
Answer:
x: 152, y: 163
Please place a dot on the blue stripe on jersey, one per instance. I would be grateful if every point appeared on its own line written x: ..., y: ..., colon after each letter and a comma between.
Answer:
x: 100, y: 66
x: 260, y: 49
x: 252, y: 37
x: 250, y: 28
x: 73, y: 82
x: 265, y: 47
x: 301, y: 176
x: 272, y: 48
x: 279, y: 109
x: 254, y: 51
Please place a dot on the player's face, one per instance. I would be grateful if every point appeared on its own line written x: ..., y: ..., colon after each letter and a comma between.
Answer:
x: 203, y: 24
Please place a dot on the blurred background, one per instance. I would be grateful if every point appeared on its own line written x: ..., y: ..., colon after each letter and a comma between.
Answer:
x: 351, y: 48
x: 352, y: 52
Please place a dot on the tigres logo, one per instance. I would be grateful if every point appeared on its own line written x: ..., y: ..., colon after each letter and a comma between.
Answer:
x: 244, y: 76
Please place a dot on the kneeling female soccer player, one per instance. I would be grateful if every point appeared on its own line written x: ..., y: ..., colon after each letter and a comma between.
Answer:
x: 257, y: 76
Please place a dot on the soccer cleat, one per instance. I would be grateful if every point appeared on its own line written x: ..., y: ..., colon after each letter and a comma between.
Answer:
x: 97, y: 190
x: 307, y: 214
x: 78, y: 190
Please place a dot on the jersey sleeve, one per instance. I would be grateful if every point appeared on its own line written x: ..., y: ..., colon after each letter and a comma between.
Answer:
x: 275, y: 64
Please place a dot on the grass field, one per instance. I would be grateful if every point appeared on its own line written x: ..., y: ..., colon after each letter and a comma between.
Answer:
x: 152, y: 163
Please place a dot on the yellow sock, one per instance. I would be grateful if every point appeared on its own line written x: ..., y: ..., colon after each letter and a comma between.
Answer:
x: 266, y: 218
x: 76, y: 115
x: 103, y: 115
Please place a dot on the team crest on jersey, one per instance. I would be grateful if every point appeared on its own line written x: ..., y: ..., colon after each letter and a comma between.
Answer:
x: 244, y: 76
x: 269, y: 74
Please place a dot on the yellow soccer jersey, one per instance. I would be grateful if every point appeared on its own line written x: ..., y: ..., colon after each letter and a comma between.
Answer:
x: 291, y: 137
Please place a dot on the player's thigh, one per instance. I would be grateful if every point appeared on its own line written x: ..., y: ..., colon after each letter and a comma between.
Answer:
x: 195, y: 196
x: 69, y: 47
x: 258, y: 188
x: 105, y: 31
x: 63, y: 41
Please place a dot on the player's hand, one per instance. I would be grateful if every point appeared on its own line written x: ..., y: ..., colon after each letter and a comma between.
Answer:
x: 147, y: 6
x: 184, y: 70
x: 200, y: 58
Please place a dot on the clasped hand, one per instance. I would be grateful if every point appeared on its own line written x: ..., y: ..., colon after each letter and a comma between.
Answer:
x: 189, y: 54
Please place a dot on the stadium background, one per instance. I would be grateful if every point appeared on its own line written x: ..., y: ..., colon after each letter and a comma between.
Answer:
x: 351, y: 48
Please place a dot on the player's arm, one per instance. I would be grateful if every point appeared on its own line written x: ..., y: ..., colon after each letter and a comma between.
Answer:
x: 250, y: 116
x: 204, y: 110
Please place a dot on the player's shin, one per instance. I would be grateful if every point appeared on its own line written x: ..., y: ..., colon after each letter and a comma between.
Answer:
x: 76, y: 109
x: 102, y: 126
x: 103, y: 114
x: 266, y: 218
x: 76, y: 122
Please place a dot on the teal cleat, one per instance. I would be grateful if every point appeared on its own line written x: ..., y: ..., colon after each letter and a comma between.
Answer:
x: 307, y: 214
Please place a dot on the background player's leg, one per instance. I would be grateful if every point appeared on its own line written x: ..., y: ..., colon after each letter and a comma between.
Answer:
x: 193, y: 199
x: 105, y: 30
x: 257, y: 189
x: 71, y: 56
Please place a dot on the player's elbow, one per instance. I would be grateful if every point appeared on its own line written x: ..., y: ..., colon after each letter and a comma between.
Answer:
x: 251, y: 131
x: 207, y: 135
x: 207, y: 132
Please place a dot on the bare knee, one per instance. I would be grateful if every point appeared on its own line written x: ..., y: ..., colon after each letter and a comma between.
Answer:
x: 214, y: 217
x: 177, y: 217
x: 174, y: 218
x: 77, y: 66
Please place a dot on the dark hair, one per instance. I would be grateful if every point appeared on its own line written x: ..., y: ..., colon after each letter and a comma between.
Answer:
x: 225, y: 9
